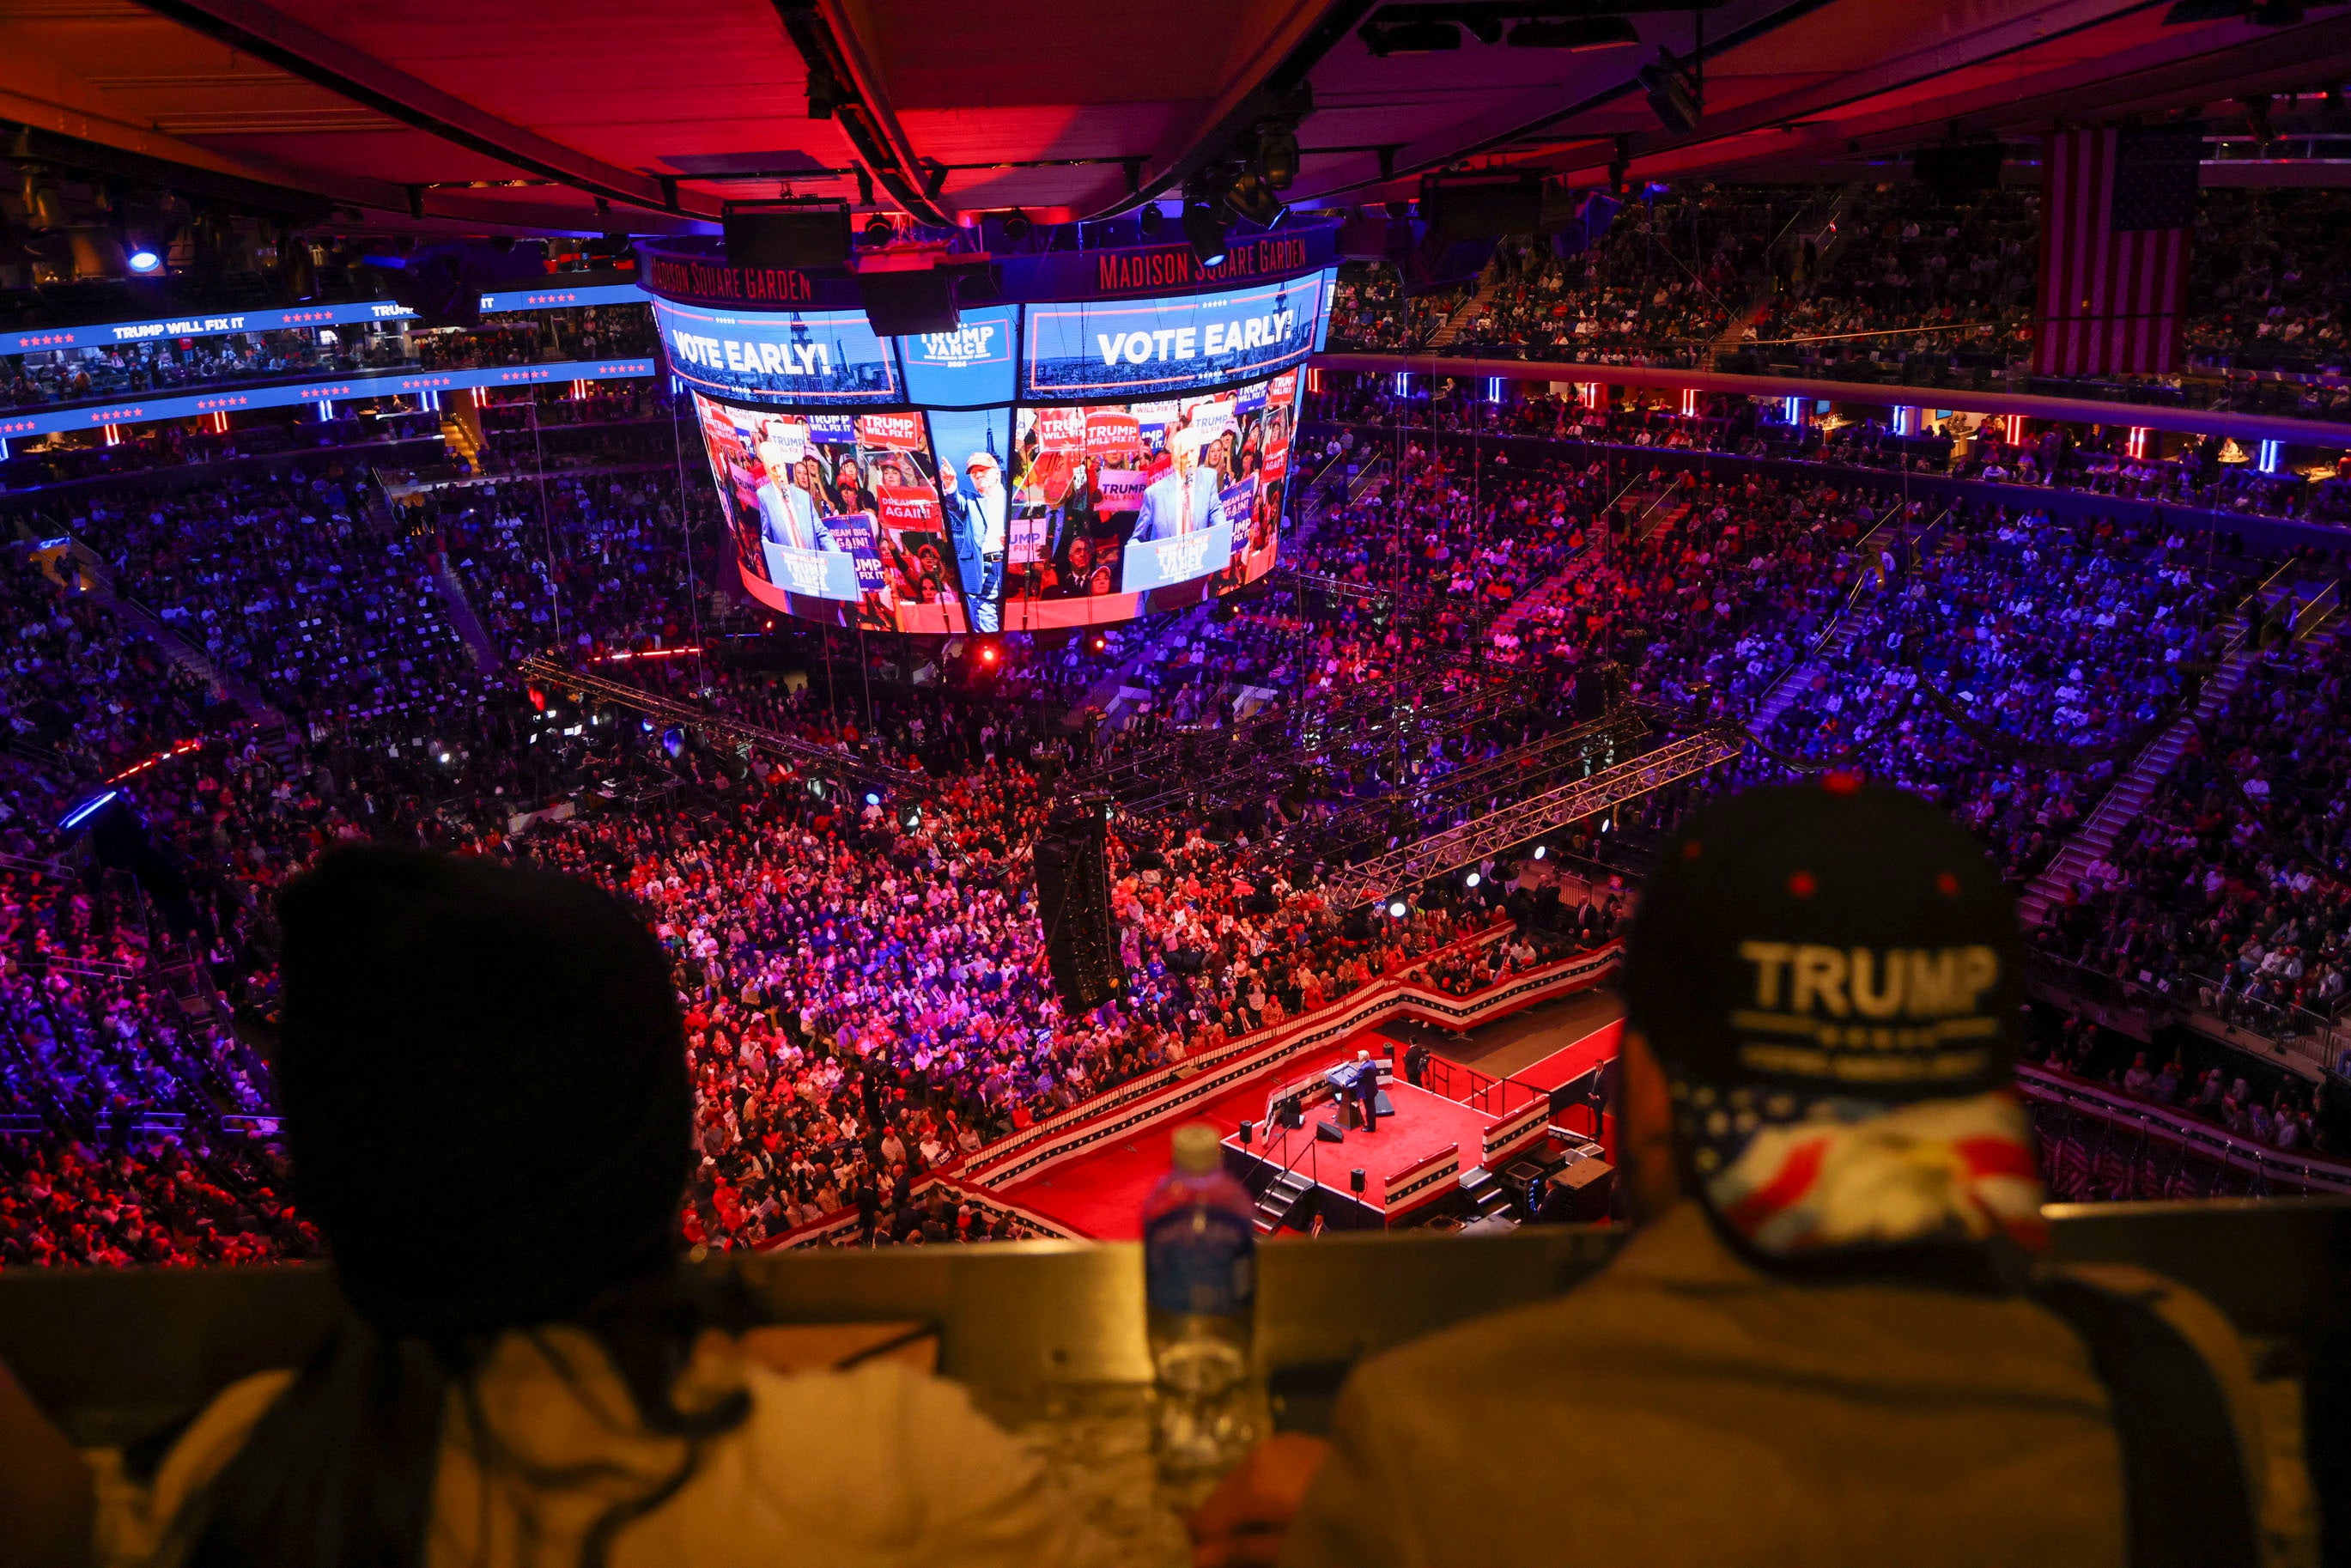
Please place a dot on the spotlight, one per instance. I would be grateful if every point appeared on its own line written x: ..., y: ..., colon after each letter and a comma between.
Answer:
x: 1574, y: 33
x: 1097, y: 643
x: 871, y: 798
x: 1541, y: 850
x: 1277, y: 158
x: 1397, y: 910
x: 145, y: 261
x: 1204, y: 231
x: 1016, y: 226
x: 1251, y: 198
x: 878, y: 230
x: 672, y: 741
x: 1151, y: 220
x: 1472, y: 879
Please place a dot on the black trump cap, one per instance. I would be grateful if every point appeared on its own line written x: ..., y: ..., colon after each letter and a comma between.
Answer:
x: 1816, y: 954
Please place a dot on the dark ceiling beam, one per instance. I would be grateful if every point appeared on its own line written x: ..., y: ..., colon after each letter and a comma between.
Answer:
x: 279, y: 40
x: 863, y: 114
x: 2189, y: 74
x: 1433, y: 152
x: 1244, y: 102
x: 77, y: 125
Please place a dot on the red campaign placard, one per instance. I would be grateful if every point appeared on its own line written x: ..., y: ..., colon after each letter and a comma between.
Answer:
x: 1061, y: 429
x: 1282, y: 390
x: 1109, y: 433
x: 1274, y: 464
x: 902, y: 431
x: 908, y: 507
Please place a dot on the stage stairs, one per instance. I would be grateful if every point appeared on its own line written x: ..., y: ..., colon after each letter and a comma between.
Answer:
x: 1287, y: 1205
x: 1486, y: 1196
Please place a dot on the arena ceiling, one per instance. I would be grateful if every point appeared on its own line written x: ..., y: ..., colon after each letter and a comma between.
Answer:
x: 488, y: 113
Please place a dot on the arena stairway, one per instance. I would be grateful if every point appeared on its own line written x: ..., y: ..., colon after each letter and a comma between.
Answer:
x: 1450, y: 330
x: 1546, y: 593
x: 1777, y: 700
x: 275, y: 730
x: 2129, y: 794
x: 463, y: 621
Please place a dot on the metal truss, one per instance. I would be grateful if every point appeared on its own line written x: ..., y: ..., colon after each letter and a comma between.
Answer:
x: 1474, y: 841
x: 1539, y: 765
x: 804, y: 755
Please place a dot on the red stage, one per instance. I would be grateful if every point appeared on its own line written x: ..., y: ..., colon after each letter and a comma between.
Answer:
x: 1101, y: 1194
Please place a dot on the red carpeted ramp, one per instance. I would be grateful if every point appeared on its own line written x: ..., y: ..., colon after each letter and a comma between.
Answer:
x: 1571, y: 1062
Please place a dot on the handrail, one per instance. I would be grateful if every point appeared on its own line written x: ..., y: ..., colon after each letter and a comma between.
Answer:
x: 1853, y: 594
x: 2298, y: 629
x: 2313, y: 1172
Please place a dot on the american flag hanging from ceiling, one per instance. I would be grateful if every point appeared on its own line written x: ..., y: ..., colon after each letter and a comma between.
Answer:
x: 2116, y: 208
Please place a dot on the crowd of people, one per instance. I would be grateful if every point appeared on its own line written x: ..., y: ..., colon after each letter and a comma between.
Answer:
x: 2210, y: 472
x: 167, y: 364
x: 1897, y: 282
x: 1374, y: 311
x: 1906, y: 273
x: 2226, y: 892
x: 863, y: 978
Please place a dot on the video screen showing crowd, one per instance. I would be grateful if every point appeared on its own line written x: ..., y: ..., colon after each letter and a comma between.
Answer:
x: 949, y: 521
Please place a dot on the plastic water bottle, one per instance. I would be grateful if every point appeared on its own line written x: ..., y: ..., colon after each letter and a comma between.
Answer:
x: 1199, y: 1275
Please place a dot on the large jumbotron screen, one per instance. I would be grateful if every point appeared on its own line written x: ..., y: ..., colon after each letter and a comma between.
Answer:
x: 1048, y: 464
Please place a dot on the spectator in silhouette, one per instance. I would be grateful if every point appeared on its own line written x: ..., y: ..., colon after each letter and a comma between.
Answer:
x: 1834, y: 1294
x: 484, y: 1077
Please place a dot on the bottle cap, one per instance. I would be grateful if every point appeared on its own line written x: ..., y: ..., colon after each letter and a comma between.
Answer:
x: 1198, y: 1150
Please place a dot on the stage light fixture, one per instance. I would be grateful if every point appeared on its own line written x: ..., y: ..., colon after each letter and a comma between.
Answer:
x: 1673, y: 96
x: 878, y: 230
x: 1277, y: 157
x: 1541, y: 850
x: 1204, y: 231
x: 871, y: 798
x: 1016, y: 226
x: 1472, y: 879
x: 1151, y: 220
x: 145, y: 261
x: 1251, y: 198
x: 1574, y: 33
x: 1396, y: 909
